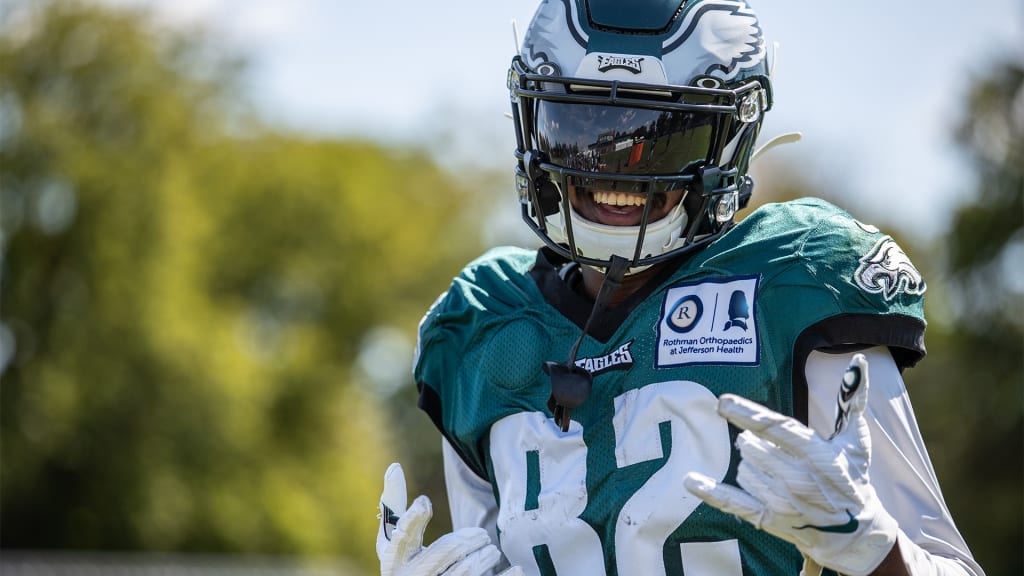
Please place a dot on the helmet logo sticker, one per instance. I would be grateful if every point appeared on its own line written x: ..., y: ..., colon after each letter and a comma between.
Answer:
x: 739, y: 312
x: 708, y: 82
x: 685, y: 314
x: 619, y: 359
x: 554, y: 35
x: 720, y: 36
x: 711, y: 321
x: 887, y: 270
x: 630, y: 63
x: 547, y: 69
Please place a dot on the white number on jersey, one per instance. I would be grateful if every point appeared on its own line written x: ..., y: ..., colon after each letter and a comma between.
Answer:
x: 530, y: 455
x: 561, y: 461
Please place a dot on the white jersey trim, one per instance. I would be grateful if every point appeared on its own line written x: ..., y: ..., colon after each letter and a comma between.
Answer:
x: 470, y: 498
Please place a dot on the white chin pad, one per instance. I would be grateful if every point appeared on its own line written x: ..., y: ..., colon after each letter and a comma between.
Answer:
x: 602, y: 241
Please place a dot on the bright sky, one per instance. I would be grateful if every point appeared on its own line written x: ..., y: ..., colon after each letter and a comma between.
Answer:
x: 874, y: 87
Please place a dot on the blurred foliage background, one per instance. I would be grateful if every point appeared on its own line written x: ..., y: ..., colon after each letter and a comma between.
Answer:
x: 207, y: 324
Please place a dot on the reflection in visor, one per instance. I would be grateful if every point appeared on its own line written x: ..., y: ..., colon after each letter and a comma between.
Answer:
x: 619, y: 140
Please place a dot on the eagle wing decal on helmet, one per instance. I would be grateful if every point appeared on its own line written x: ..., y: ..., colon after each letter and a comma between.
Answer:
x: 887, y: 270
x: 733, y: 41
x: 545, y: 39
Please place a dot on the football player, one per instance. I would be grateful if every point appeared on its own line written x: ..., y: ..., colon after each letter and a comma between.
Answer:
x: 661, y: 389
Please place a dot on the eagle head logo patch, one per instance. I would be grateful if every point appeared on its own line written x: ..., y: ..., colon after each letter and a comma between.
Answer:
x: 887, y: 270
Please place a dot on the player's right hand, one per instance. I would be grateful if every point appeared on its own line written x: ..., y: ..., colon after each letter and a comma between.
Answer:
x: 812, y: 491
x: 465, y: 552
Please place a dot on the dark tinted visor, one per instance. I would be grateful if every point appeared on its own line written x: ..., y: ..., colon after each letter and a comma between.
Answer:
x: 620, y: 140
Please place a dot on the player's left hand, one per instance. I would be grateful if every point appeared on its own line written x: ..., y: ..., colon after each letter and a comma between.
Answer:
x: 811, y: 491
x: 465, y: 552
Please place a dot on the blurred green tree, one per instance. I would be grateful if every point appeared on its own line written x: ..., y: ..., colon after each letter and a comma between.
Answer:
x: 971, y: 398
x: 186, y: 296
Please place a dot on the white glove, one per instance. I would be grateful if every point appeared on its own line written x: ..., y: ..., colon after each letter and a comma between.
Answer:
x: 465, y: 552
x: 798, y: 486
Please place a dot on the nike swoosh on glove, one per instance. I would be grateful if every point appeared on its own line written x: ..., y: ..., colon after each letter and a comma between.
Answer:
x: 465, y: 552
x: 803, y: 488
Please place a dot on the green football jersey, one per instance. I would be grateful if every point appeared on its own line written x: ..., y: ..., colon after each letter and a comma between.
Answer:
x: 740, y: 316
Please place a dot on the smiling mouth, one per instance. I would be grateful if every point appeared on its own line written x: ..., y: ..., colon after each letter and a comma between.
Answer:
x: 625, y: 202
x: 616, y: 199
x: 618, y: 208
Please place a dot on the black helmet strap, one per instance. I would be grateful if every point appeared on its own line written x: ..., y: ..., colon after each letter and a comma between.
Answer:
x: 571, y: 384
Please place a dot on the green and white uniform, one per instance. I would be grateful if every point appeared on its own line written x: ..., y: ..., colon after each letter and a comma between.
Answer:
x: 740, y: 316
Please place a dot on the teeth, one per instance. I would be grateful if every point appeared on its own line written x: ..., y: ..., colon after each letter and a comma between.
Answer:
x: 619, y: 199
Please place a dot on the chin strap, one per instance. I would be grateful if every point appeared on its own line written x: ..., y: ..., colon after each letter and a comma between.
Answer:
x: 571, y: 384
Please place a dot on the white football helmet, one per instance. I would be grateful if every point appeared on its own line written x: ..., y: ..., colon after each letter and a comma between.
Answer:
x: 644, y: 98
